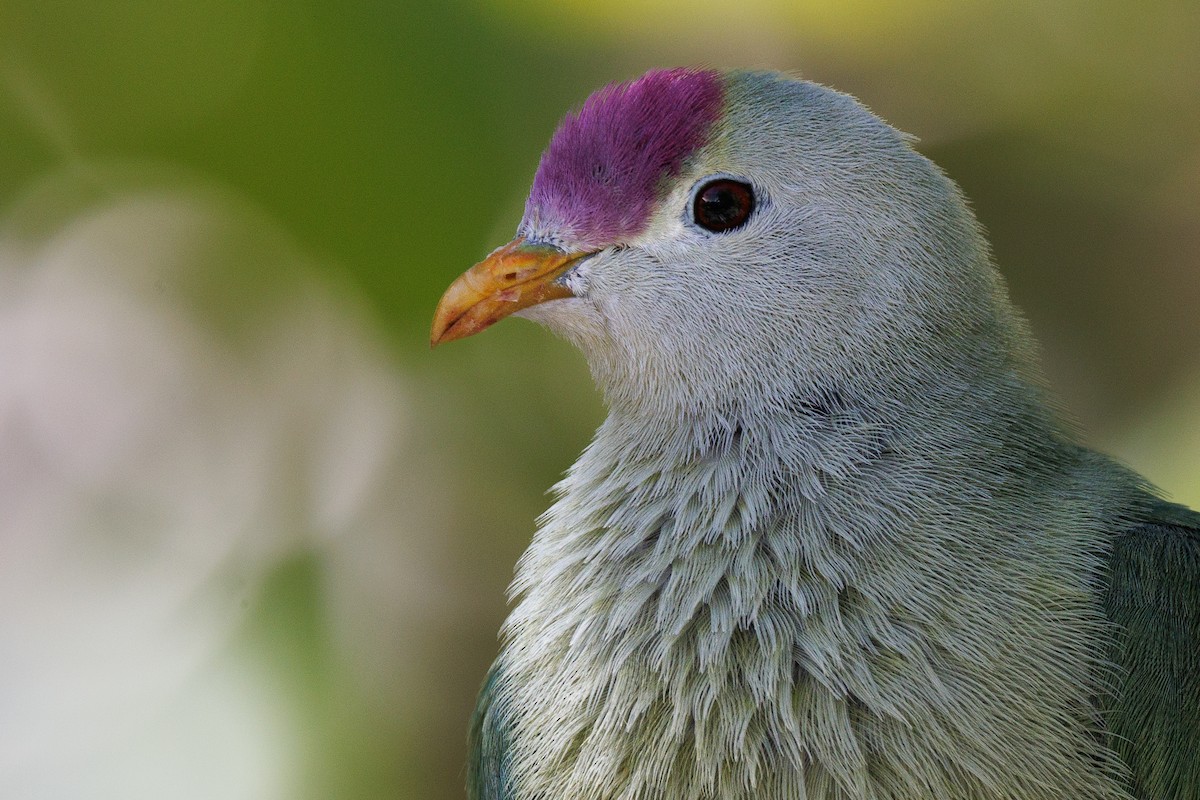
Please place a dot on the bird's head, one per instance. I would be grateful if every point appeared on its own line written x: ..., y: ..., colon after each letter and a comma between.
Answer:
x: 712, y: 240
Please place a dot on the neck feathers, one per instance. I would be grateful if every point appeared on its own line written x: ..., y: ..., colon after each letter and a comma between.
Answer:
x: 792, y: 606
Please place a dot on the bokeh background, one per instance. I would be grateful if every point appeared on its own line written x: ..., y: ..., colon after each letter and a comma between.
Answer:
x: 254, y: 536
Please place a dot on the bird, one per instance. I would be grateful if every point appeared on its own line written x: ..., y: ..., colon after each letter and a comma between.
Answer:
x: 833, y: 539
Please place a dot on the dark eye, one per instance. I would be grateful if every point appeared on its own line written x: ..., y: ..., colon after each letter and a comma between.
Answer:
x: 723, y: 205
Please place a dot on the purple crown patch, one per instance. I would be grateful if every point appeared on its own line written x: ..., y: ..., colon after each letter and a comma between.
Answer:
x: 605, y: 167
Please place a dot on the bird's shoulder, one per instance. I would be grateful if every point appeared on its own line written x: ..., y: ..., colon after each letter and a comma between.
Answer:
x: 488, y: 770
x: 1152, y: 596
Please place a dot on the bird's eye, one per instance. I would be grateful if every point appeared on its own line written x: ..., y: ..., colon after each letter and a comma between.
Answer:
x: 723, y: 204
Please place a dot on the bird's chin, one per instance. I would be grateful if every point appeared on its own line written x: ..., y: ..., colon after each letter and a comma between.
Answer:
x: 575, y: 319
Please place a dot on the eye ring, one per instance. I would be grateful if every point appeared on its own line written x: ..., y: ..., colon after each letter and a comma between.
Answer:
x: 723, y: 204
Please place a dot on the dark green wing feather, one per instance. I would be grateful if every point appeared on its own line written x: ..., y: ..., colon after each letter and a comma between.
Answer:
x: 488, y: 768
x: 1153, y: 596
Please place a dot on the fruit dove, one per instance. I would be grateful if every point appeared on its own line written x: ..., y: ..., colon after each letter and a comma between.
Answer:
x: 831, y: 542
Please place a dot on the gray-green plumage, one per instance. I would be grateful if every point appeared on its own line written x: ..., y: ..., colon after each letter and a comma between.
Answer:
x: 490, y: 765
x: 831, y: 543
x: 1152, y: 595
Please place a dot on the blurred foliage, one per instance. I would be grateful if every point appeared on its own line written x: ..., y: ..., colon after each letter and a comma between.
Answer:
x: 349, y: 159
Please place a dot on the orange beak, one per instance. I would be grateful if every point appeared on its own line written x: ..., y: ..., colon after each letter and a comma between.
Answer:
x: 518, y: 275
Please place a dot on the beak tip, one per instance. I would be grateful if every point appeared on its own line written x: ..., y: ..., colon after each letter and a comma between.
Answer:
x: 443, y: 321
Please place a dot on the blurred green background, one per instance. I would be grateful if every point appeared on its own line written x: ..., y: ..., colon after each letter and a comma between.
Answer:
x: 254, y: 536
